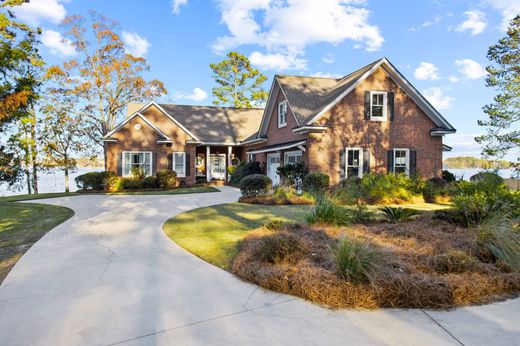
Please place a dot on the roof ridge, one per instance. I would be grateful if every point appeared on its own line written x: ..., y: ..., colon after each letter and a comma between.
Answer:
x: 208, y: 106
x: 300, y: 76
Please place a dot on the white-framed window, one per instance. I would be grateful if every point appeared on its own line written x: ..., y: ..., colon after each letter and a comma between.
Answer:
x: 179, y: 164
x: 292, y: 157
x: 282, y: 114
x: 378, y: 102
x: 402, y: 160
x: 137, y: 160
x: 353, y: 162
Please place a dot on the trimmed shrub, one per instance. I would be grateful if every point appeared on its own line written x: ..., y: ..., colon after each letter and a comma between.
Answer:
x: 243, y: 170
x: 278, y: 247
x: 394, y: 215
x: 390, y: 188
x: 91, y: 180
x: 292, y: 175
x: 137, y: 173
x: 448, y: 176
x: 490, y: 178
x: 131, y: 184
x: 328, y: 211
x: 166, y: 179
x: 255, y: 185
x: 356, y: 260
x: 112, y: 181
x: 150, y: 183
x: 316, y: 182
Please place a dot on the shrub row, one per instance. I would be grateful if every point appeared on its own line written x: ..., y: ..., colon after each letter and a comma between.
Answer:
x: 109, y: 181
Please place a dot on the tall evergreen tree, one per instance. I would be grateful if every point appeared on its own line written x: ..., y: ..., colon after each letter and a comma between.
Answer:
x: 503, y: 123
x: 239, y: 84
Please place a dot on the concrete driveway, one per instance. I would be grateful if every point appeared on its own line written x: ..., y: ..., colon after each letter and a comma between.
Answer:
x: 110, y: 276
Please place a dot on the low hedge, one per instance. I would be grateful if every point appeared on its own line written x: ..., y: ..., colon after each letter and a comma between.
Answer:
x: 166, y: 179
x: 316, y: 182
x: 255, y: 185
x: 97, y: 181
x: 244, y: 169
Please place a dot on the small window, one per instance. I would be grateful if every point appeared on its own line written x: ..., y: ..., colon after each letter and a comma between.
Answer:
x: 179, y: 164
x: 354, y: 162
x: 402, y: 161
x: 137, y: 162
x: 378, y: 105
x: 282, y: 114
x: 292, y: 157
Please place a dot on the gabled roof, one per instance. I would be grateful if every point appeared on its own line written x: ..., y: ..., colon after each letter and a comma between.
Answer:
x: 217, y: 124
x: 145, y: 120
x: 311, y: 97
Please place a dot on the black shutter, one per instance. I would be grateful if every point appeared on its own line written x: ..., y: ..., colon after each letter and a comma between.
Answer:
x: 155, y: 164
x: 187, y: 164
x: 391, y: 105
x: 413, y: 163
x: 390, y: 161
x: 170, y: 161
x: 367, y: 105
x: 342, y: 164
x: 366, y: 161
x: 120, y: 164
x: 254, y: 157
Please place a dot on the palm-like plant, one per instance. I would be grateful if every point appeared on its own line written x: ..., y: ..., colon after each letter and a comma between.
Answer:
x: 394, y: 215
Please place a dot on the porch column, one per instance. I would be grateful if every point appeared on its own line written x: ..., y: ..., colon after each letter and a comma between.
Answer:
x: 208, y: 162
x: 229, y: 163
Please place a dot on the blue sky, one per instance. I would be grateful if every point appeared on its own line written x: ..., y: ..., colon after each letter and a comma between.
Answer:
x: 439, y: 45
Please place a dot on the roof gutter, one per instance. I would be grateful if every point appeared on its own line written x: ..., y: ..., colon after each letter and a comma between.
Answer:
x: 307, y: 129
x: 441, y: 132
x: 281, y: 147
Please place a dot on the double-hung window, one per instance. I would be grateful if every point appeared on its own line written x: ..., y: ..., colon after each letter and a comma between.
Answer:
x: 378, y: 107
x: 179, y: 164
x: 354, y: 162
x: 137, y: 162
x: 282, y: 114
x: 292, y: 157
x: 402, y: 161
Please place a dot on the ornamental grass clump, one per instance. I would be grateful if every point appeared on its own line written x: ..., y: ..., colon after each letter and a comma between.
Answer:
x: 356, y: 260
x: 329, y: 212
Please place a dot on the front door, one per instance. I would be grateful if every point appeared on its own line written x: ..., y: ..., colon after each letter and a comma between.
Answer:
x: 218, y: 166
x: 273, y: 162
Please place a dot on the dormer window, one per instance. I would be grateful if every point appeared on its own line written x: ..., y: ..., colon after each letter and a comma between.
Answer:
x: 282, y: 114
x: 378, y: 102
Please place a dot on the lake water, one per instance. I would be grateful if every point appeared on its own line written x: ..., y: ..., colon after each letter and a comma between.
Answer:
x: 55, y: 181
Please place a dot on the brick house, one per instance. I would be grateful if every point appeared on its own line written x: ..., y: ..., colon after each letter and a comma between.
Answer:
x: 372, y: 120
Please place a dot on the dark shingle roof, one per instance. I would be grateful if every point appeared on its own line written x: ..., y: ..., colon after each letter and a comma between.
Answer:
x: 217, y: 124
x: 310, y: 95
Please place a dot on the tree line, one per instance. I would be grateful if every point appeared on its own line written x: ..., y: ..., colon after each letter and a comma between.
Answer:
x: 460, y: 162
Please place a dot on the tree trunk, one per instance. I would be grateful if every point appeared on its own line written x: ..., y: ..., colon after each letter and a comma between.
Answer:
x: 34, y: 158
x: 27, y: 163
x: 66, y: 179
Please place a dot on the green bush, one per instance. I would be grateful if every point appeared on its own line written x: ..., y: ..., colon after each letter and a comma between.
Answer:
x: 499, y: 240
x: 166, y: 179
x: 275, y: 248
x: 150, y: 183
x: 348, y: 191
x: 453, y: 262
x: 274, y: 225
x: 357, y: 261
x: 92, y: 180
x: 328, y: 211
x: 360, y: 214
x: 448, y: 176
x: 316, y: 182
x: 243, y: 170
x: 137, y: 173
x: 394, y: 215
x: 292, y: 175
x: 112, y: 181
x: 255, y: 185
x: 490, y: 178
x: 131, y: 184
x: 390, y: 188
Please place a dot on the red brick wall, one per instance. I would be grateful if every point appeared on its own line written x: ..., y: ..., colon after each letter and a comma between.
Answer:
x: 348, y: 128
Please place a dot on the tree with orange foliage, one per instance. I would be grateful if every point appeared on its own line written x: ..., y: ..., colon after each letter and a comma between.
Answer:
x: 105, y: 77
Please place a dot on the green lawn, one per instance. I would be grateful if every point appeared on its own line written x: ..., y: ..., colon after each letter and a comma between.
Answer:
x: 212, y: 233
x: 23, y: 224
x: 180, y: 190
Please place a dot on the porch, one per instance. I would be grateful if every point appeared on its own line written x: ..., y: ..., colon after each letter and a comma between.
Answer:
x: 212, y: 162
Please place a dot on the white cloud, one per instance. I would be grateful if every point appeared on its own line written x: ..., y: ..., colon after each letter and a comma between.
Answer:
x: 288, y: 27
x: 328, y: 58
x: 508, y: 8
x: 135, y: 44
x: 470, y: 68
x: 57, y: 44
x: 326, y: 75
x: 197, y: 95
x: 435, y: 20
x: 453, y: 79
x: 37, y: 11
x: 475, y: 22
x: 277, y: 61
x: 463, y: 145
x: 437, y: 98
x: 176, y: 5
x: 426, y: 71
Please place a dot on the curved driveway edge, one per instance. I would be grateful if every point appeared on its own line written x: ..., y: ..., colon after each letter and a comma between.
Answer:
x: 109, y: 275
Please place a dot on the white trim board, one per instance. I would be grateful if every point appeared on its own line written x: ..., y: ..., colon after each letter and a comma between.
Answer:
x: 143, y: 118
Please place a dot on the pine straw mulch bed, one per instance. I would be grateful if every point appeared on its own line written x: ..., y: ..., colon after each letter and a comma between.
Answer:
x: 425, y: 264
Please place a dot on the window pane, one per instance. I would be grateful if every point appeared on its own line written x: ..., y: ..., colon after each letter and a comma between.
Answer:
x: 352, y: 172
x: 377, y: 111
